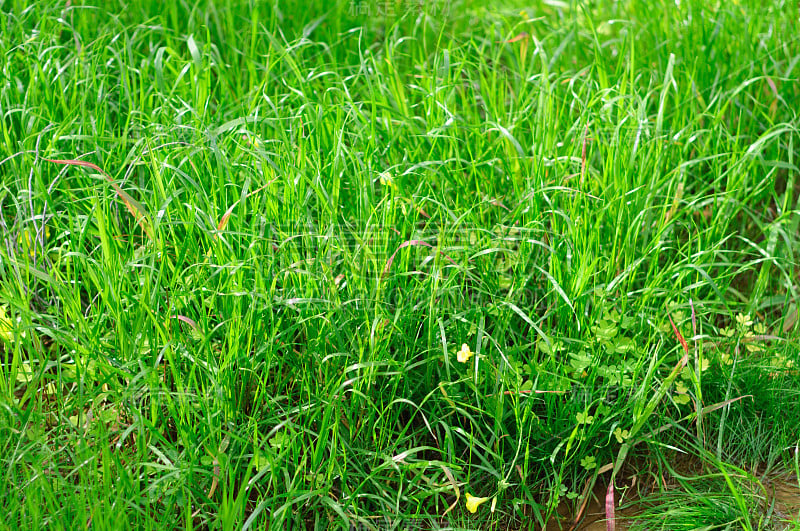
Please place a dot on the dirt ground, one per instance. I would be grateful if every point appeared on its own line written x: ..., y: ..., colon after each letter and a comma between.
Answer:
x: 784, y: 496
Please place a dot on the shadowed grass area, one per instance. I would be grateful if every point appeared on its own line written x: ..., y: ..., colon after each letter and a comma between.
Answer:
x: 338, y: 264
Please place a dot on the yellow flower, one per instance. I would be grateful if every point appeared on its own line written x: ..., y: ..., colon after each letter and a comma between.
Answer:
x: 473, y: 502
x: 387, y: 180
x: 464, y: 354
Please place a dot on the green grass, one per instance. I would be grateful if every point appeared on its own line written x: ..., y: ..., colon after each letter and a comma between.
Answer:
x: 251, y: 319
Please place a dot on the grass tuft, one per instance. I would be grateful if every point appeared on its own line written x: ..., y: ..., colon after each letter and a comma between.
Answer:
x: 397, y: 264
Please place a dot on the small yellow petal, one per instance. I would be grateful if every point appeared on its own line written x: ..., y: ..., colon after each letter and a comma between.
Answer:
x: 464, y: 354
x: 473, y: 502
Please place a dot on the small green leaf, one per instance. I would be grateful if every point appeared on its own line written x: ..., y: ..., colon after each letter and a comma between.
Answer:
x: 604, y: 330
x: 34, y: 431
x: 262, y: 462
x: 579, y: 362
x: 588, y: 462
x: 25, y: 373
x: 681, y: 399
x: 621, y: 435
x: 744, y: 320
x: 623, y: 345
x: 280, y: 440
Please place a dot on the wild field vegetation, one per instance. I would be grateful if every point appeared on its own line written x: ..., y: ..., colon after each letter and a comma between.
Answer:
x: 398, y: 265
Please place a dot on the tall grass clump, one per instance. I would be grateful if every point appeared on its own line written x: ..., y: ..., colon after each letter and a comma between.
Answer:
x: 400, y: 264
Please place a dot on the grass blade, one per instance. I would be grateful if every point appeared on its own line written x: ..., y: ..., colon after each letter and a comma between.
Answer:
x: 134, y: 207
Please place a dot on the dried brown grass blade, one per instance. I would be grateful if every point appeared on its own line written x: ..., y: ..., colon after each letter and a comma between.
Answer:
x: 585, y: 495
x: 223, y: 222
x: 680, y: 336
x: 409, y: 243
x: 185, y: 319
x: 790, y: 320
x: 134, y: 207
x: 718, y: 405
x: 520, y: 37
x: 222, y: 447
x: 453, y: 484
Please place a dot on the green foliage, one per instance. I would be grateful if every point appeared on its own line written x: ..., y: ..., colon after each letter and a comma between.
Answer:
x: 340, y: 264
